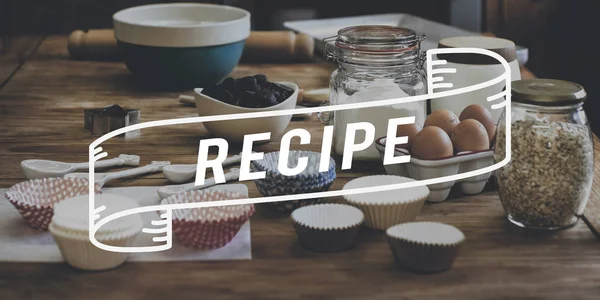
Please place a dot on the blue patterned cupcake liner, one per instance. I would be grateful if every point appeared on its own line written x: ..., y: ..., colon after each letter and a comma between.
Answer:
x: 309, y: 181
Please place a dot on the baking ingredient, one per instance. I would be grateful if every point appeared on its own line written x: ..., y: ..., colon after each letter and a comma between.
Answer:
x: 481, y: 114
x: 380, y: 89
x: 250, y: 92
x: 432, y: 143
x: 548, y: 180
x: 470, y: 135
x: 410, y: 131
x: 443, y: 119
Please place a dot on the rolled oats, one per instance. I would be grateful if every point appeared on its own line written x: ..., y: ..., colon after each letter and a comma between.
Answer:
x: 548, y: 180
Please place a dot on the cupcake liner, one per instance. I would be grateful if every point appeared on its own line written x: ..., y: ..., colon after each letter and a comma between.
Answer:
x: 309, y: 181
x: 80, y: 253
x: 381, y: 217
x: 210, y: 227
x: 35, y: 199
x: 70, y: 229
x: 384, y: 209
x: 327, y: 227
x: 425, y: 247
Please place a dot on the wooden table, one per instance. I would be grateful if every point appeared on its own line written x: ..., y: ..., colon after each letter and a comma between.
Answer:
x: 41, y: 108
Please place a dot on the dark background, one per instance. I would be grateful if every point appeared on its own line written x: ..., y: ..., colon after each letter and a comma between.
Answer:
x: 560, y: 34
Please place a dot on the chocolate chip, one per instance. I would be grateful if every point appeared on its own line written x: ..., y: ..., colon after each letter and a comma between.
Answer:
x: 248, y: 99
x: 228, y: 84
x: 261, y: 78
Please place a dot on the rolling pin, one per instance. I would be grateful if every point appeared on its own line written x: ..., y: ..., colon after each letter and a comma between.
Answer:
x: 261, y: 46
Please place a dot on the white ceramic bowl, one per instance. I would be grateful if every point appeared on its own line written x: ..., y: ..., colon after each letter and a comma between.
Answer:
x: 235, y: 130
x: 181, y: 44
x: 181, y: 25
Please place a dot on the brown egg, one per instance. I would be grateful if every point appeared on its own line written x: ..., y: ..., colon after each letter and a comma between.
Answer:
x: 481, y: 114
x: 443, y: 119
x: 409, y: 130
x: 432, y: 143
x: 470, y: 135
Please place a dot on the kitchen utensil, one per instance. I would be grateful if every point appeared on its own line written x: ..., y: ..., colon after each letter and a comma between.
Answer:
x: 103, y: 120
x: 426, y: 169
x: 235, y: 130
x: 102, y: 178
x: 261, y: 46
x: 316, y: 97
x: 183, y: 173
x: 181, y: 45
x: 39, y: 168
x: 169, y: 190
x: 278, y: 46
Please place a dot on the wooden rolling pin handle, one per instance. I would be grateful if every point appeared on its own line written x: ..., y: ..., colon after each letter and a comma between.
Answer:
x: 278, y: 46
x: 97, y: 43
x: 261, y: 46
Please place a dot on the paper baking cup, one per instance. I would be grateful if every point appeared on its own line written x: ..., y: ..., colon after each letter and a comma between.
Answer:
x: 308, y: 181
x: 80, y: 253
x: 385, y: 209
x: 69, y: 228
x: 327, y: 227
x: 209, y: 227
x: 425, y: 247
x: 35, y: 199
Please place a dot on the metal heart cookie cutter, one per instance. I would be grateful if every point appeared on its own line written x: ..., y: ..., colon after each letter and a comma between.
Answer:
x: 104, y: 120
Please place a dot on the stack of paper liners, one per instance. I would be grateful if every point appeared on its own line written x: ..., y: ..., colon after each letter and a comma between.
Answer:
x: 385, y: 209
x: 327, y: 227
x: 425, y: 246
x: 70, y: 230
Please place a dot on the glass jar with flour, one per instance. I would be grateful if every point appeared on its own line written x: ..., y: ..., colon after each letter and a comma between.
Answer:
x: 374, y: 63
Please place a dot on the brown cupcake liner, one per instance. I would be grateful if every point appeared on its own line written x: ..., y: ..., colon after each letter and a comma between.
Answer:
x: 423, y: 258
x: 326, y: 228
x: 326, y: 240
x: 425, y: 253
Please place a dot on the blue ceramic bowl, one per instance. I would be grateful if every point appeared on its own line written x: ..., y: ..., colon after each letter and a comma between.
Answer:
x: 182, y: 45
x: 309, y: 181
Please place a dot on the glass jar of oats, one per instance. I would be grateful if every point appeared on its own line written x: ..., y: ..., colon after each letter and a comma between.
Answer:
x: 547, y: 182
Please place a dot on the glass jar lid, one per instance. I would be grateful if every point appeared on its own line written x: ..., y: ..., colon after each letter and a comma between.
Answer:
x: 547, y: 92
x: 374, y: 44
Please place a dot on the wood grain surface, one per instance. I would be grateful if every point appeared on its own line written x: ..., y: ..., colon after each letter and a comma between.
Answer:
x: 41, y: 110
x: 14, y: 51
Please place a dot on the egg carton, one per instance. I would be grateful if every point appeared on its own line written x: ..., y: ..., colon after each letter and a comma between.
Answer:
x: 427, y: 169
